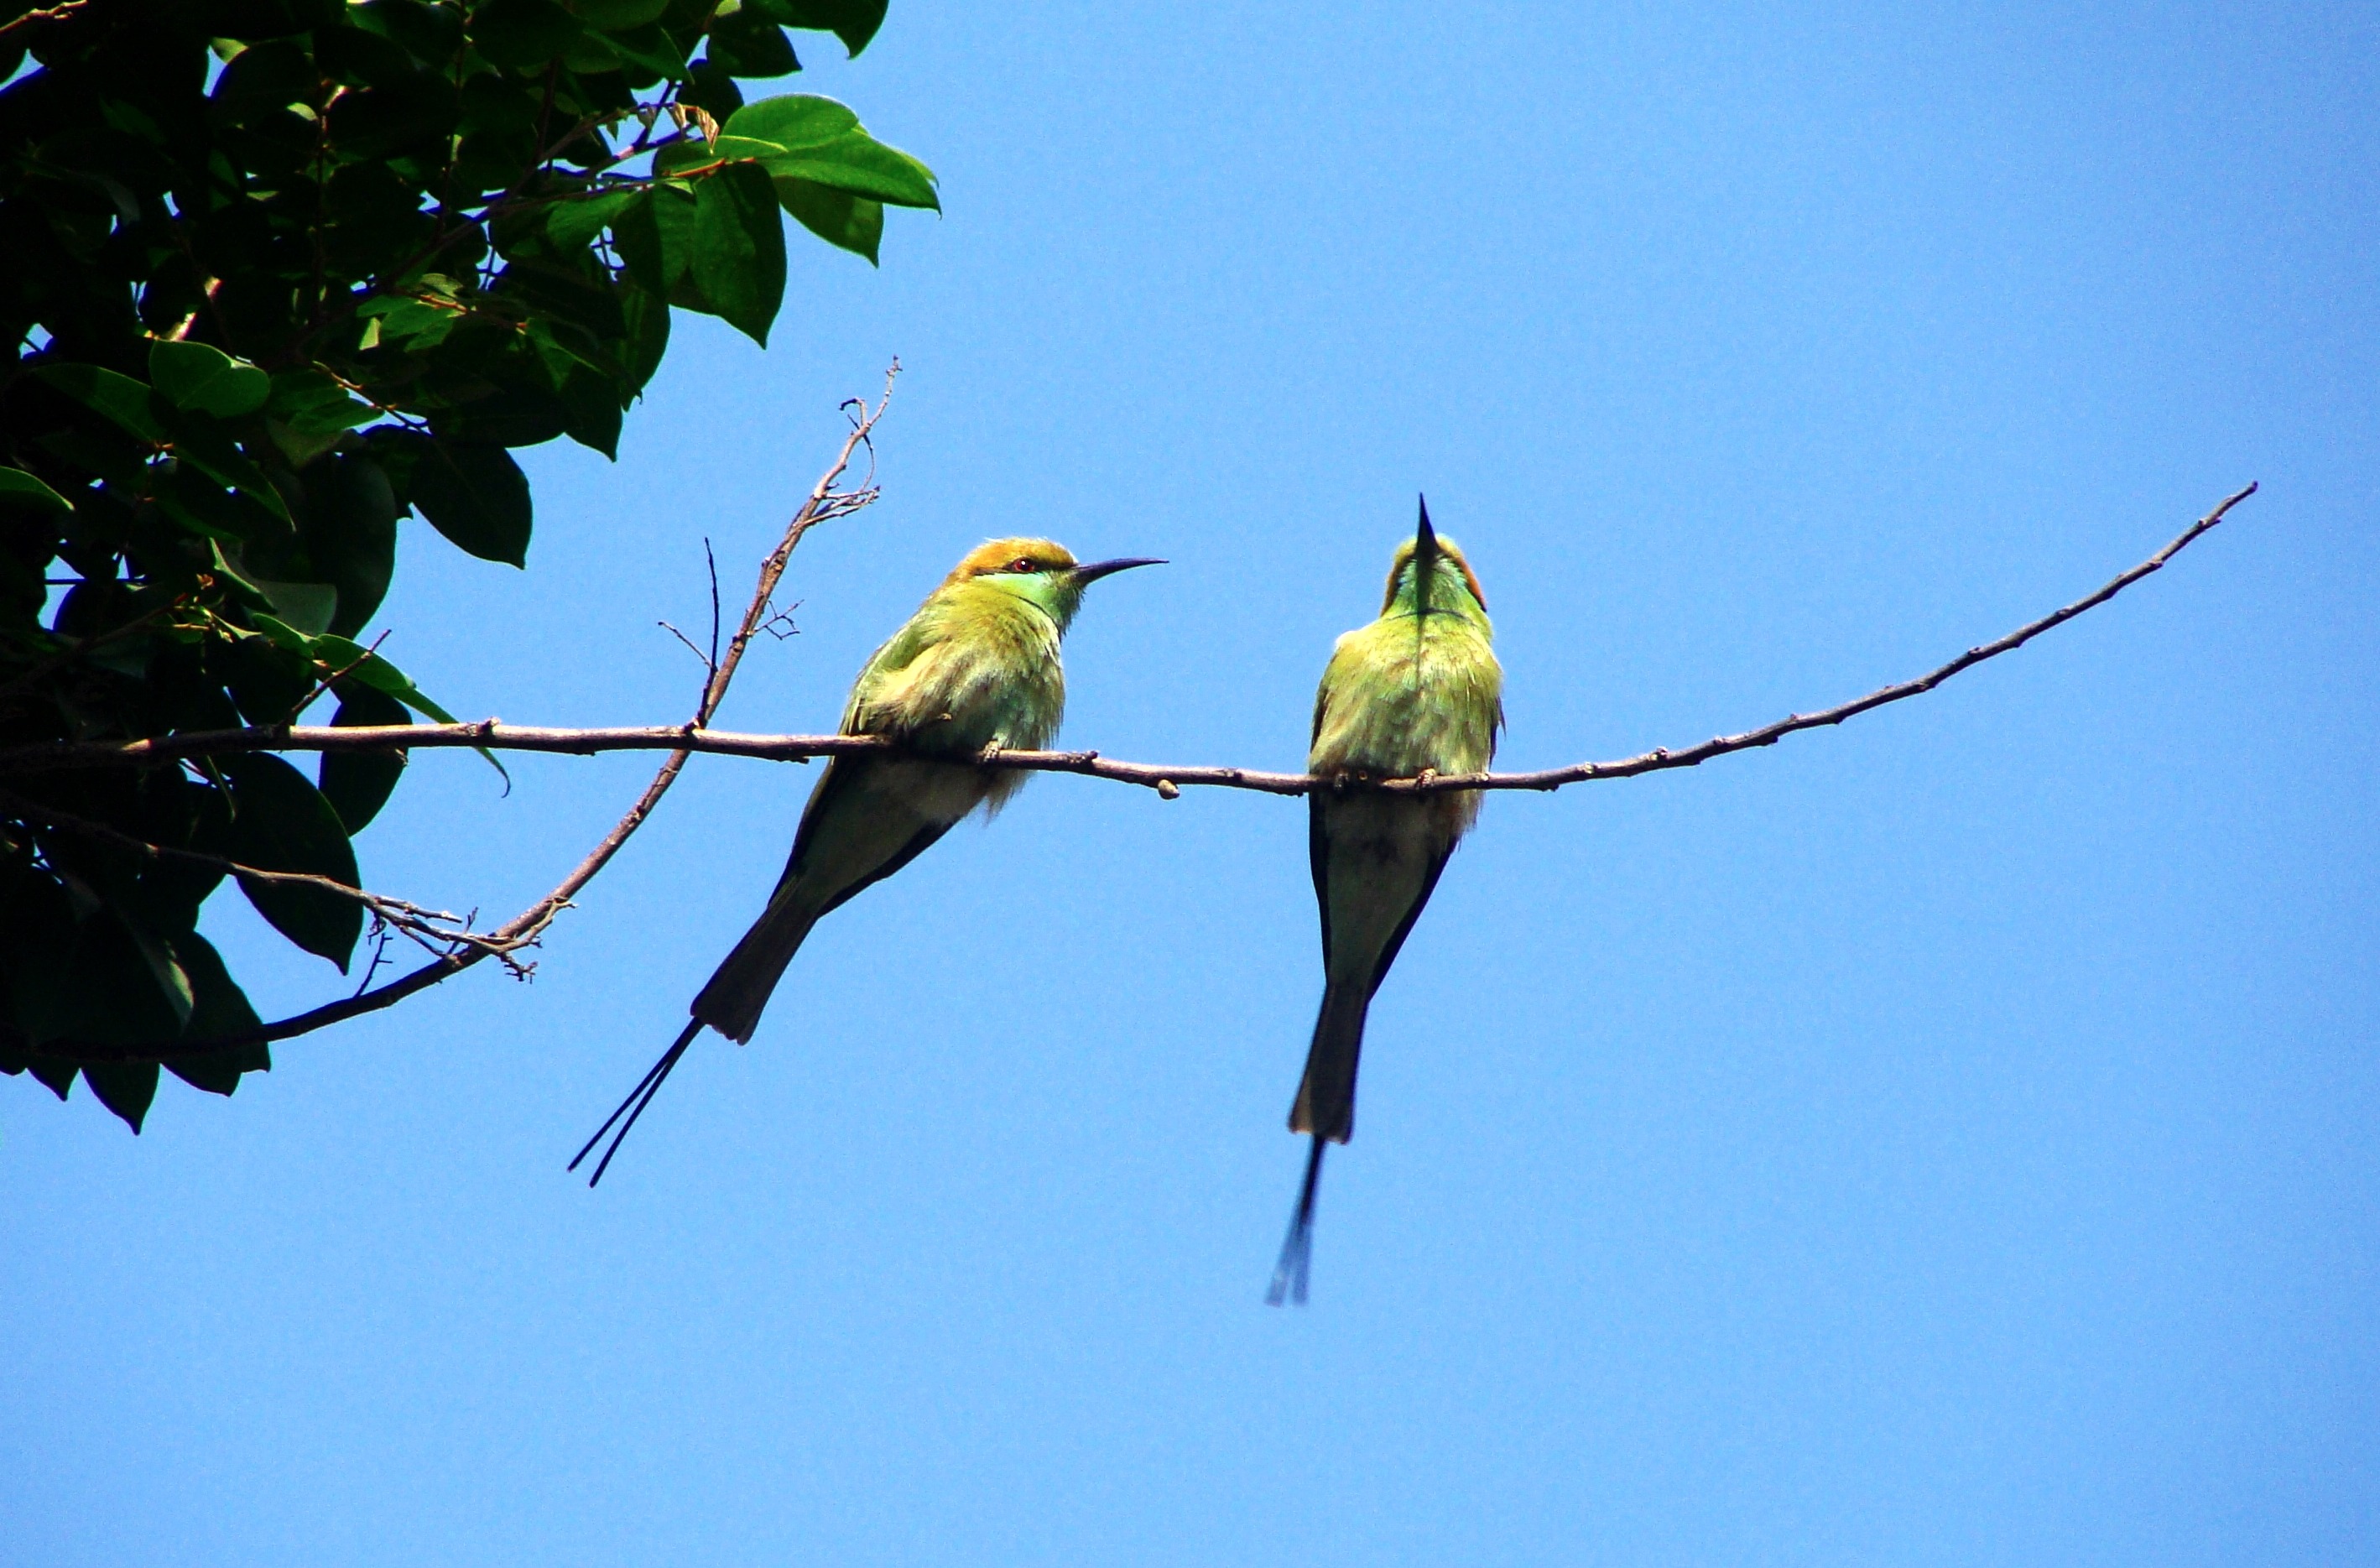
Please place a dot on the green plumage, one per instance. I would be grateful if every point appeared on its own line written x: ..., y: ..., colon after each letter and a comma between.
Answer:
x: 1417, y: 691
x: 976, y: 667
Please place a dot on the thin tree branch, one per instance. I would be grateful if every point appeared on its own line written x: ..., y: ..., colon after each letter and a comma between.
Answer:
x: 1166, y: 780
x: 823, y: 503
x: 435, y: 930
x: 35, y: 19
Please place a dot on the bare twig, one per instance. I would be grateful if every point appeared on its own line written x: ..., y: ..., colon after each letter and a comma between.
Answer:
x: 1168, y: 781
x: 34, y: 18
x: 435, y: 930
x: 823, y: 502
x: 334, y: 678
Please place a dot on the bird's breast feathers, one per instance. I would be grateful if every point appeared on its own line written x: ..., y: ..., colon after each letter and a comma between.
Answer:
x: 972, y: 668
x: 1398, y: 700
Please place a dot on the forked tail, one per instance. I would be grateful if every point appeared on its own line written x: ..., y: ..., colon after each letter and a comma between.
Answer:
x: 639, y: 1098
x: 1325, y: 1105
x: 1289, y: 1275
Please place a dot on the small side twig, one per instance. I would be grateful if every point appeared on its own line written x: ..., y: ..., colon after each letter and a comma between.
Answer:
x: 824, y: 502
x: 435, y: 930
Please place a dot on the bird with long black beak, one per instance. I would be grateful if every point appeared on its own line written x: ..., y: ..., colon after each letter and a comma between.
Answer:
x: 976, y: 667
x: 1417, y: 691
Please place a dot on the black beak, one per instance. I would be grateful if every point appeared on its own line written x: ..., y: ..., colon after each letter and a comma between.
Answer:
x: 1092, y: 571
x: 1426, y: 556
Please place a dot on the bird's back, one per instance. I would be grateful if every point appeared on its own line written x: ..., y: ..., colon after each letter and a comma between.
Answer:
x: 1407, y: 694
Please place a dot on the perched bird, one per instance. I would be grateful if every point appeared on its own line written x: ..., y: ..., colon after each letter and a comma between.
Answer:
x: 976, y: 667
x: 1417, y: 692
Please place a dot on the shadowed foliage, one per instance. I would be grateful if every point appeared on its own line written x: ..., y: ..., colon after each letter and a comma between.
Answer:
x: 278, y: 275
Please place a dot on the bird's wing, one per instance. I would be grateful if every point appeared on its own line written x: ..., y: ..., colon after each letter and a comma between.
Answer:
x: 1318, y: 850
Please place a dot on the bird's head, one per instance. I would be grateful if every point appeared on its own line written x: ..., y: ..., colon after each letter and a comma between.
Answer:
x: 1041, y: 571
x: 1429, y: 571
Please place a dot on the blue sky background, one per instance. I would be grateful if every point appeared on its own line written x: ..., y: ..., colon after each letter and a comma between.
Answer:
x: 1948, y: 1140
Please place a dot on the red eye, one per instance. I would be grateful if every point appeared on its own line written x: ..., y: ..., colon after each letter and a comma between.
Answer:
x: 1020, y: 564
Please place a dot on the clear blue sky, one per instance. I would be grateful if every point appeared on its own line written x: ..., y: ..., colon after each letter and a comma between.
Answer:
x: 1948, y: 1140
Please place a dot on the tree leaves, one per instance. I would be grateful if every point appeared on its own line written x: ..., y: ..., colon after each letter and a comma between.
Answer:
x: 821, y: 142
x: 739, y: 248
x: 474, y: 493
x: 854, y: 21
x: 358, y: 783
x: 264, y: 313
x: 284, y: 825
x: 206, y: 379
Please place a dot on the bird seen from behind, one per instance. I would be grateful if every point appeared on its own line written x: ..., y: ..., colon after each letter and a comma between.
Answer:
x: 976, y: 667
x: 1416, y: 692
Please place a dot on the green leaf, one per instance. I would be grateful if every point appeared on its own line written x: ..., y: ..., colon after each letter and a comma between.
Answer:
x: 310, y: 403
x: 358, y: 783
x: 202, y: 443
x: 23, y: 489
x: 118, y: 396
x: 366, y: 668
x: 573, y: 225
x: 739, y: 248
x: 694, y: 152
x: 747, y: 44
x: 350, y: 528
x: 655, y: 236
x: 651, y: 47
x: 475, y: 494
x: 308, y: 606
x: 280, y: 823
x: 796, y: 119
x: 824, y: 143
x: 854, y: 21
x: 864, y: 166
x: 409, y: 115
x: 218, y: 1007
x: 855, y: 222
x: 195, y: 376
x: 125, y: 1088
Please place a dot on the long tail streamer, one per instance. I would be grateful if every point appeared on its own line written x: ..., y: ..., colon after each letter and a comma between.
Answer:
x: 639, y: 1098
x: 1289, y: 1275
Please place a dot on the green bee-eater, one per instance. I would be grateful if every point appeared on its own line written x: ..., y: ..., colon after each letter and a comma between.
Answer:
x: 977, y: 666
x: 1417, y: 691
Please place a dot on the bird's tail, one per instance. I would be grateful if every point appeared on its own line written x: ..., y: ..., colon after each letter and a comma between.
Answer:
x: 1325, y: 1105
x: 639, y: 1098
x: 739, y: 989
x: 1297, y: 1248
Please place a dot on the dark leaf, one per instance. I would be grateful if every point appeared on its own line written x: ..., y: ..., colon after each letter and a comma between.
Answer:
x: 655, y: 236
x: 476, y: 495
x: 207, y: 447
x: 573, y: 225
x: 349, y: 529
x: 194, y: 376
x: 854, y: 21
x: 749, y: 44
x: 617, y: 16
x: 522, y: 33
x: 310, y: 403
x: 218, y: 1008
x: 380, y: 121
x: 280, y: 823
x: 118, y: 396
x: 125, y: 1088
x: 358, y: 783
x: 739, y: 250
x: 18, y: 488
